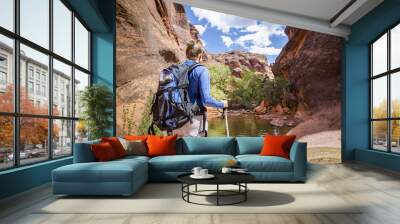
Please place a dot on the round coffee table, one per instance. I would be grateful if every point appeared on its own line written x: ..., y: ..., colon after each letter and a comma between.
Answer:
x: 238, y: 179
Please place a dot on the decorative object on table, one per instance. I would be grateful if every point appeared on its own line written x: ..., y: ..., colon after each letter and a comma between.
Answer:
x: 239, y: 180
x: 231, y: 163
x: 230, y: 170
x: 200, y: 173
x: 96, y: 102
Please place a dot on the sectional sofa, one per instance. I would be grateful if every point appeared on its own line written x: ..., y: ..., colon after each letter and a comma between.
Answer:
x: 125, y: 176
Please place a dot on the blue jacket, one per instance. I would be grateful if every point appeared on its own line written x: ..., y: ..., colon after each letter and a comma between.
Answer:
x: 199, y: 87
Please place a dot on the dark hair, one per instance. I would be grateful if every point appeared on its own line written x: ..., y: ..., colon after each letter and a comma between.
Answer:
x: 193, y: 49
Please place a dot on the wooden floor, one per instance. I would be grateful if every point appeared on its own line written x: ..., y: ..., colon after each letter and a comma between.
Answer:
x: 378, y: 189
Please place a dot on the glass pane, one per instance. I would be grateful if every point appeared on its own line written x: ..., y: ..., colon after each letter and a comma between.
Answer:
x: 379, y: 55
x: 395, y: 94
x: 7, y: 14
x: 379, y: 97
x: 81, y: 45
x: 6, y: 142
x: 379, y: 135
x: 6, y: 74
x: 33, y: 139
x: 62, y: 89
x: 62, y: 29
x: 395, y: 136
x: 62, y: 138
x: 81, y: 81
x: 35, y: 21
x: 395, y: 47
x: 81, y: 131
x: 34, y: 97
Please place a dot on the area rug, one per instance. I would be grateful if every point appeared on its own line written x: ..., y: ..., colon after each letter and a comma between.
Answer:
x: 166, y: 198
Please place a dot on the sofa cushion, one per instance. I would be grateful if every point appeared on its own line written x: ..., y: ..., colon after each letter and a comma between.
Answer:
x: 278, y: 145
x: 185, y: 163
x: 112, y: 171
x: 161, y: 145
x: 209, y: 145
x: 103, y: 152
x: 249, y: 145
x: 116, y: 145
x: 257, y: 163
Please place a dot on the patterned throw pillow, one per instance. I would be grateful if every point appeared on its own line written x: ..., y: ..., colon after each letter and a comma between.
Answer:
x: 134, y: 147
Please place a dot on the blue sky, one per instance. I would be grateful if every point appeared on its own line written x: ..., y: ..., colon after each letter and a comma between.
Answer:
x: 222, y: 32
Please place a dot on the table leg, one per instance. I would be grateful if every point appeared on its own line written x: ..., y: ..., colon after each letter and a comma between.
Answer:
x: 195, y: 188
x: 217, y: 194
x: 245, y: 193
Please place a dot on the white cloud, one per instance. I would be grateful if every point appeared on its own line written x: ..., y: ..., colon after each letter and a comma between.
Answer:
x: 227, y: 41
x: 257, y: 38
x: 265, y: 50
x: 201, y: 28
x: 221, y: 21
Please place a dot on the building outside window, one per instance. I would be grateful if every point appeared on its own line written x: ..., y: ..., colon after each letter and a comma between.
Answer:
x: 34, y: 75
x: 385, y: 91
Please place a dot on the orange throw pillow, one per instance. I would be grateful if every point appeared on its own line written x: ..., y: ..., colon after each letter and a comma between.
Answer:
x: 116, y: 145
x: 161, y: 145
x: 103, y: 152
x: 142, y: 138
x: 277, y: 145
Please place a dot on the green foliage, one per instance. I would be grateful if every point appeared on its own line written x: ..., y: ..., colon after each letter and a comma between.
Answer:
x: 147, y: 118
x: 221, y: 81
x: 277, y: 91
x: 128, y: 124
x: 97, y: 103
x: 248, y: 91
x: 245, y: 92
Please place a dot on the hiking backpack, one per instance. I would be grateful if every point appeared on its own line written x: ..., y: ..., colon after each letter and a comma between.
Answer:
x: 171, y: 107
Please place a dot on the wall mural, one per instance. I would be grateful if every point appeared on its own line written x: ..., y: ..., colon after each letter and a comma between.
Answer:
x: 276, y: 79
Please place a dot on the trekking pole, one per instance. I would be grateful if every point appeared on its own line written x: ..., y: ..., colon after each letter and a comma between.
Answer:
x: 225, y: 111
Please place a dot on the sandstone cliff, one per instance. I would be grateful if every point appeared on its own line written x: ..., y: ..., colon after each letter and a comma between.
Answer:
x: 311, y: 62
x: 242, y: 60
x: 151, y: 34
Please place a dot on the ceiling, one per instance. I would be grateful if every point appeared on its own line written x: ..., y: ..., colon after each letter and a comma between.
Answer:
x: 327, y: 16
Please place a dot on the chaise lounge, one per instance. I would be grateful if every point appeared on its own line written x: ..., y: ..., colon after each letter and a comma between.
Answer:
x: 125, y: 176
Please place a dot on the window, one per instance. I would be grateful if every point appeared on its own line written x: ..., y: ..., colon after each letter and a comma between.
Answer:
x: 6, y: 73
x: 3, y: 78
x: 7, y: 14
x: 30, y: 87
x: 81, y: 45
x: 38, y: 89
x: 30, y: 72
x: 47, y: 76
x: 35, y: 21
x: 62, y: 29
x: 385, y: 92
x: 44, y: 91
x: 81, y: 82
x: 62, y: 74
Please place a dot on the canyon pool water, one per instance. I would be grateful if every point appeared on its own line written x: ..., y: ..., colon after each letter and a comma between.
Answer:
x: 245, y: 125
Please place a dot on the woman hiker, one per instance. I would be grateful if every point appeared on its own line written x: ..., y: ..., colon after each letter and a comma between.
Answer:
x: 199, y: 93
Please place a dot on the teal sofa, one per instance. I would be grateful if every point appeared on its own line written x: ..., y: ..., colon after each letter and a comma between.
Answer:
x: 125, y: 176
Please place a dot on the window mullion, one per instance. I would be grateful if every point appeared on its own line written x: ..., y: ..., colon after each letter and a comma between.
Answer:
x: 50, y: 81
x: 389, y: 101
x: 73, y: 82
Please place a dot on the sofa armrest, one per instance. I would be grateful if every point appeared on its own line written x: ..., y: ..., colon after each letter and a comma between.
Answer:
x: 298, y: 155
x: 83, y: 152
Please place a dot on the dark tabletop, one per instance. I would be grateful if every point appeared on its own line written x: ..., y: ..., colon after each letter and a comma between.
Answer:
x: 220, y: 178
